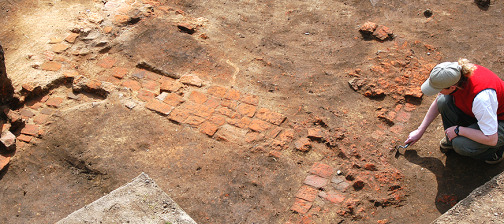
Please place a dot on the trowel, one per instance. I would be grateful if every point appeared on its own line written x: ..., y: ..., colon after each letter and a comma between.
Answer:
x: 396, y: 149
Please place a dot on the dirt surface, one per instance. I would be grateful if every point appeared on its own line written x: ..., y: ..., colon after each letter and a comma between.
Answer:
x: 265, y: 111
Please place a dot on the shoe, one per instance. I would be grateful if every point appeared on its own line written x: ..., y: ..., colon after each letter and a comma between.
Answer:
x: 445, y: 146
x: 497, y: 157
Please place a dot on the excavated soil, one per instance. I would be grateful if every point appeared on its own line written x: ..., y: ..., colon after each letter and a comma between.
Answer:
x: 241, y: 111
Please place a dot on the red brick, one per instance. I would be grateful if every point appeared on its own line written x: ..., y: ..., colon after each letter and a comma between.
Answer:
x: 25, y: 138
x: 107, y: 62
x: 209, y: 128
x: 231, y: 104
x: 34, y: 105
x: 93, y: 84
x: 286, y: 135
x: 301, y: 206
x: 253, y: 136
x: 192, y: 80
x: 202, y: 111
x: 51, y: 66
x: 145, y: 95
x: 217, y: 119
x: 217, y: 91
x: 272, y: 133
x: 316, y: 181
x: 302, y: 144
x: 178, y: 115
x: 275, y: 153
x: 26, y: 113
x: 230, y: 134
x: 259, y: 125
x: 270, y: 116
x: 170, y: 85
x: 71, y: 74
x: 382, y: 32
x: 150, y: 85
x: 119, y: 72
x: 212, y: 102
x: 370, y: 166
x: 368, y: 27
x: 322, y: 170
x: 152, y: 76
x: 28, y: 87
x: 332, y: 196
x: 4, y: 160
x: 246, y: 109
x: 158, y: 106
x: 194, y: 120
x: 241, y: 123
x: 173, y: 99
x: 54, y: 102
x: 198, y: 97
x: 307, y: 193
x: 30, y: 129
x: 232, y: 94
x: 41, y: 119
x: 132, y: 84
x: 250, y: 99
x: 228, y: 112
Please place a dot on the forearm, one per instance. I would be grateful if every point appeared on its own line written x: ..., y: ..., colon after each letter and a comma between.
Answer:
x: 431, y: 114
x: 478, y: 136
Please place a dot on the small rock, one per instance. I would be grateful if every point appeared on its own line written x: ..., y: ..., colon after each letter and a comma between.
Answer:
x: 130, y: 104
x: 303, y: 144
x: 191, y: 80
x: 8, y: 139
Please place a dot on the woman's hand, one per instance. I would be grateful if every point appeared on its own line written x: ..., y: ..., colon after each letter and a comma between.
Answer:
x: 450, y: 133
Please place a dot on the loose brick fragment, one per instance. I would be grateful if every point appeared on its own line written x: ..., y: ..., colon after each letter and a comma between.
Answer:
x: 59, y: 48
x: 332, y: 196
x: 146, y: 95
x: 30, y: 129
x: 315, y: 133
x: 232, y: 94
x: 71, y: 38
x: 307, y: 193
x: 316, y: 181
x: 51, y: 66
x: 173, y: 99
x: 170, y: 85
x: 25, y: 138
x: 41, y: 119
x: 275, y: 154
x: 158, y: 106
x: 26, y: 113
x: 107, y: 62
x: 132, y: 84
x: 322, y: 170
x: 54, y: 102
x: 119, y: 72
x: 7, y: 138
x: 303, y: 144
x: 4, y: 160
x: 209, y: 128
x: 192, y: 80
x: 230, y: 133
x: 301, y: 206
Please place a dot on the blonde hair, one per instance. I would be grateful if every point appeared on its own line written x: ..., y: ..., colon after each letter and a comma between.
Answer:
x: 467, y: 67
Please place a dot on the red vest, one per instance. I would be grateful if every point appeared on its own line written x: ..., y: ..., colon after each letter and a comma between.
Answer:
x: 481, y: 79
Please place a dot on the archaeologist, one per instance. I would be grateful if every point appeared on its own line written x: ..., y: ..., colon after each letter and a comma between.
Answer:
x: 471, y: 103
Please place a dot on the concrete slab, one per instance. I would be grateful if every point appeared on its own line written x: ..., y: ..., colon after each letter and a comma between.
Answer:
x: 484, y: 205
x: 140, y: 201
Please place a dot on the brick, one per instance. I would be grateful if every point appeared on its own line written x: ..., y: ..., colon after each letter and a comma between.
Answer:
x: 231, y: 104
x: 13, y: 116
x: 41, y: 119
x: 230, y: 134
x: 158, y: 106
x: 302, y: 144
x: 150, y: 85
x: 54, y: 101
x: 272, y: 133
x: 275, y: 153
x: 332, y: 196
x: 208, y: 128
x: 250, y: 99
x: 71, y: 74
x: 232, y: 94
x: 178, y: 115
x: 26, y: 113
x: 25, y: 138
x: 59, y: 48
x: 107, y: 62
x: 212, y: 102
x: 71, y: 37
x: 228, y: 112
x: 368, y: 27
x: 301, y: 206
x: 139, y: 73
x: 7, y: 138
x: 192, y: 80
x: 202, y: 111
x: 194, y: 120
x: 217, y: 91
x: 119, y: 72
x: 259, y: 125
x: 286, y: 135
x: 382, y: 32
x: 30, y: 129
x: 217, y: 119
x: 198, y: 97
x: 152, y: 76
x: 315, y: 133
x: 4, y: 160
x: 253, y: 136
x: 173, y: 99
x: 316, y: 181
x: 322, y: 170
x: 270, y: 116
x: 93, y: 84
x: 246, y: 109
x: 170, y: 85
x: 146, y: 95
x: 29, y: 87
x: 241, y: 123
x: 307, y: 193
x: 47, y: 111
x: 51, y: 66
x: 132, y: 84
